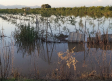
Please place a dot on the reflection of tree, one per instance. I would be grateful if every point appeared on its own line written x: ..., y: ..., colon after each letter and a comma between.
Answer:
x: 46, y: 51
x: 92, y: 24
x: 66, y: 30
x: 101, y: 21
x: 110, y: 24
x: 62, y: 19
x: 81, y: 23
x: 73, y: 21
x: 57, y: 24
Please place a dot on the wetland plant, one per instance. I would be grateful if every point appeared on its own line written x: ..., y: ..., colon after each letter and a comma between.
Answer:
x: 26, y: 34
x: 26, y: 38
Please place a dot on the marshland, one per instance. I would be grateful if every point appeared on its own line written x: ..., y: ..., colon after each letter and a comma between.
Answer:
x: 59, y: 44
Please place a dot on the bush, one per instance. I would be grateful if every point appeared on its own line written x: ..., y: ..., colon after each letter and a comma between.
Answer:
x: 45, y: 6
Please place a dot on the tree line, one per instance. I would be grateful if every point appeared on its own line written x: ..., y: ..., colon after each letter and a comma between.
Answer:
x: 93, y: 11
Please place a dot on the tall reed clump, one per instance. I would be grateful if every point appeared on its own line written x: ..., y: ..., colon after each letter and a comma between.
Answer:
x: 99, y: 38
x: 5, y: 60
x: 26, y: 38
x: 26, y: 34
x: 66, y: 66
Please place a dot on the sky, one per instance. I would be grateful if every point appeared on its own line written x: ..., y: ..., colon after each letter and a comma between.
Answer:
x: 57, y: 3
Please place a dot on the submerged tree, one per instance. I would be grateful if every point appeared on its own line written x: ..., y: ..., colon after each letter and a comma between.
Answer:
x: 45, y: 6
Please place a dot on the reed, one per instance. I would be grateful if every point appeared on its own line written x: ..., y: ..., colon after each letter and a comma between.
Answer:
x: 99, y: 39
x: 5, y: 60
x: 26, y: 34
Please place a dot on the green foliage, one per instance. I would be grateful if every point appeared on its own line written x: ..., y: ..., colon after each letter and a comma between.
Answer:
x: 26, y: 38
x: 46, y: 11
x: 26, y: 34
x: 45, y: 6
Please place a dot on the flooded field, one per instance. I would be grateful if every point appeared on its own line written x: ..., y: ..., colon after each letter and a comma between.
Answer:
x: 37, y: 47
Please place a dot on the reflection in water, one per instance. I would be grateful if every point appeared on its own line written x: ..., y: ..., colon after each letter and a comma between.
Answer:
x: 102, y: 47
x: 78, y: 47
x: 6, y: 59
x: 26, y: 39
x: 28, y: 48
x: 100, y: 57
x: 43, y: 59
x: 5, y: 62
x: 46, y: 51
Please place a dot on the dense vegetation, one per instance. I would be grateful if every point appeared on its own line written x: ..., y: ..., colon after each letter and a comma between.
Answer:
x: 26, y: 34
x: 45, y: 6
x: 93, y: 11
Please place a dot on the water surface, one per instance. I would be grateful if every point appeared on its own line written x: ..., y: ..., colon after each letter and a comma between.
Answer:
x: 40, y: 59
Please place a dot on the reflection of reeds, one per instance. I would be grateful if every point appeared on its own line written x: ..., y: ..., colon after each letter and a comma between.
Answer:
x: 99, y: 38
x: 103, y: 61
x: 5, y: 61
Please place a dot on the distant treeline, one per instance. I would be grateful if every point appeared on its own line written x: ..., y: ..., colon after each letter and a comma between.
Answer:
x: 94, y: 11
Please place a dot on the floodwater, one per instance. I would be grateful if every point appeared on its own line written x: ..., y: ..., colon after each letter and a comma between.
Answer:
x: 41, y: 60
